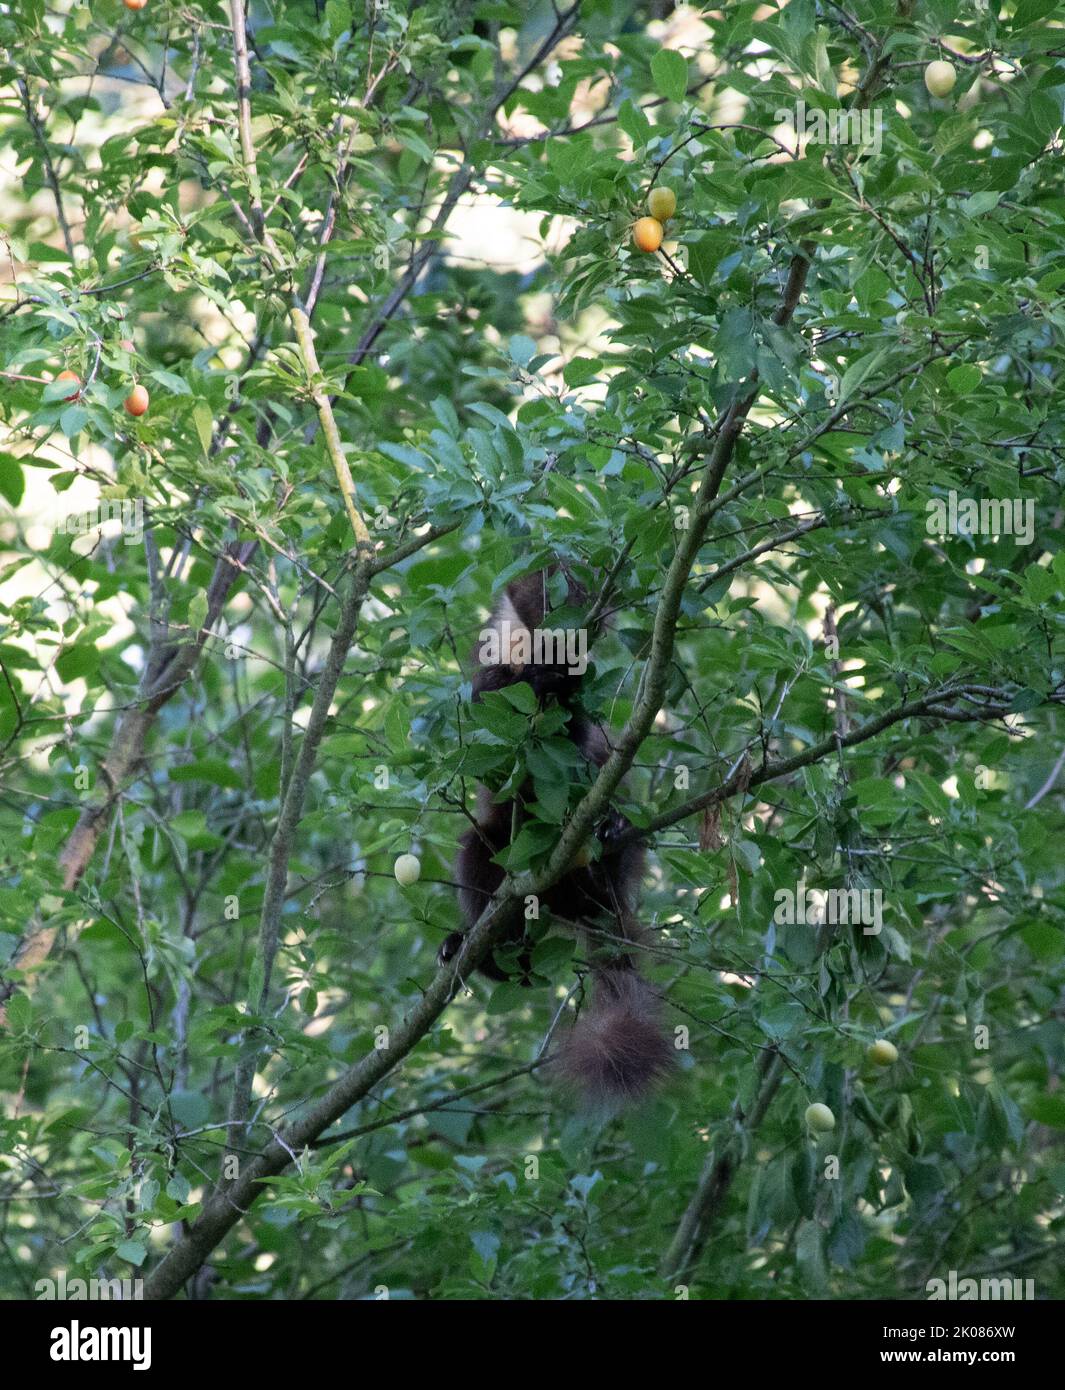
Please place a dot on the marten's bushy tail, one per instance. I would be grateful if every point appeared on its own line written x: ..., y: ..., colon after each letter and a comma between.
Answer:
x: 618, y: 1049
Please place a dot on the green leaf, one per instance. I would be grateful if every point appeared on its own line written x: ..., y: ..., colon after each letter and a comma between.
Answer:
x: 78, y: 662
x: 58, y: 390
x: 197, y: 612
x: 810, y: 1256
x: 192, y: 827
x: 506, y: 997
x: 964, y: 379
x: 704, y: 256
x: 12, y: 482
x: 1047, y: 1110
x: 73, y: 420
x: 980, y: 203
x: 204, y: 422
x: 177, y: 385
x: 858, y: 371
x: 669, y: 72
x: 1029, y: 11
x: 581, y: 370
x: 1026, y: 699
x: 216, y: 771
x: 19, y: 1012
x: 337, y: 17
x: 522, y: 349
x: 635, y: 124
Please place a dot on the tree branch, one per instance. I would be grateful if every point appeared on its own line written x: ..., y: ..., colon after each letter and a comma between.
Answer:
x: 287, y: 823
x: 716, y: 1178
x: 173, y: 663
x: 51, y: 176
x: 934, y: 704
x: 222, y: 1211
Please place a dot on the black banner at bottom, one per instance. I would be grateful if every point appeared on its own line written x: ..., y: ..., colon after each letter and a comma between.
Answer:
x: 76, y: 1338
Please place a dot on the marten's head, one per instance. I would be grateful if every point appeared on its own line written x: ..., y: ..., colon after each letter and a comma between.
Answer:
x: 521, y: 643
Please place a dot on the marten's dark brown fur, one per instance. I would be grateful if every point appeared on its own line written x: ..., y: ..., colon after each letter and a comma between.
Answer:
x: 618, y: 1048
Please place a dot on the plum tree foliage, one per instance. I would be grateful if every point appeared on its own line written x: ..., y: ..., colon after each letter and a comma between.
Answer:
x: 373, y: 263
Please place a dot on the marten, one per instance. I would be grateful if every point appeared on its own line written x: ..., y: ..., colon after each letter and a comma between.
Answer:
x: 618, y: 1049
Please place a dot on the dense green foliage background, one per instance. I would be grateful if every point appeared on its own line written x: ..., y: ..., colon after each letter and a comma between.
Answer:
x: 567, y: 405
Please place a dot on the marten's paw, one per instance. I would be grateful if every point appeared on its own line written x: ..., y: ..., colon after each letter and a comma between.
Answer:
x: 452, y: 944
x: 449, y: 948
